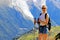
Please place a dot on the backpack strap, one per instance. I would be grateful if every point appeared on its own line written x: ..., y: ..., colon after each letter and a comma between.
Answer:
x: 49, y: 23
x: 45, y: 15
x: 40, y: 14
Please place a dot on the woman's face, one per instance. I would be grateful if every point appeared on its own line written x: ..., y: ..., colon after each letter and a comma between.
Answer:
x: 44, y: 10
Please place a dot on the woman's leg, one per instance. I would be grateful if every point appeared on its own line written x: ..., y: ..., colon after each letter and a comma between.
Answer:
x: 45, y: 36
x: 45, y: 33
x: 40, y: 36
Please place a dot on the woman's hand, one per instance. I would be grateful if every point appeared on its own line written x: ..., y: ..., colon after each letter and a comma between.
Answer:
x: 38, y: 21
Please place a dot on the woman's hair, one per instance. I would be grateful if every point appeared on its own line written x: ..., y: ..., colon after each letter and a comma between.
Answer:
x: 44, y: 6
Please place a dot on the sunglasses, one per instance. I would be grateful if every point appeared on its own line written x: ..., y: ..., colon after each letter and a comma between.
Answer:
x: 43, y: 8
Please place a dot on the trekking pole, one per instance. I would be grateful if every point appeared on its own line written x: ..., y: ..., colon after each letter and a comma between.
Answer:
x: 34, y: 27
x: 34, y: 31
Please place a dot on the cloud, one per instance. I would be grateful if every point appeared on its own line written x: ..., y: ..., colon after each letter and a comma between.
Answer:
x: 5, y: 2
x: 23, y: 29
x: 56, y: 3
x: 39, y: 3
x: 30, y: 3
x: 22, y: 6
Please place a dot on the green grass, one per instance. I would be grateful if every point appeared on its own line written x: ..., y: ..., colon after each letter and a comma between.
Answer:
x: 34, y: 35
x: 54, y: 31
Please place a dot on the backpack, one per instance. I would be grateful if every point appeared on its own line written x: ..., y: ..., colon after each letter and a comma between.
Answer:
x: 49, y: 22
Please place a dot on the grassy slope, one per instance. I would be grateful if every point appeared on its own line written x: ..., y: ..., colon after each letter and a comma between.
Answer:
x: 34, y: 35
x: 54, y: 32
